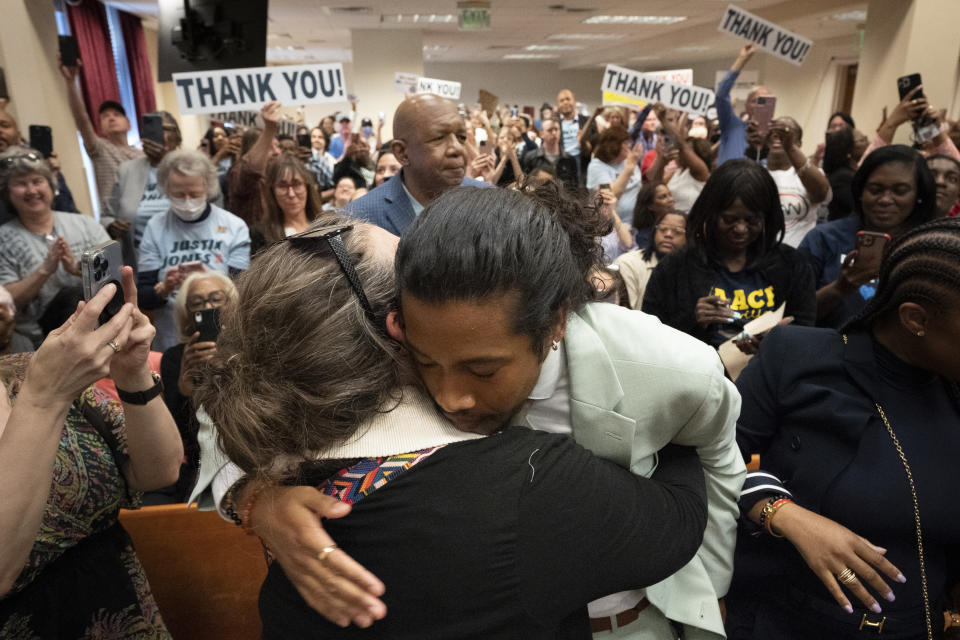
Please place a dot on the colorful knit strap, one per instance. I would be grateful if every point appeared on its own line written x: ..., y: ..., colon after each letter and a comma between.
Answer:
x: 353, y: 484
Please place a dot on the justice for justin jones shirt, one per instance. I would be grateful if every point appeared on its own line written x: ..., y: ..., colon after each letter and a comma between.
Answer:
x: 220, y: 241
x: 749, y: 294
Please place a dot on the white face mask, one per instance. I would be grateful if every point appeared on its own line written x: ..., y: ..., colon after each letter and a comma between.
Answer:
x: 188, y: 209
x: 697, y: 131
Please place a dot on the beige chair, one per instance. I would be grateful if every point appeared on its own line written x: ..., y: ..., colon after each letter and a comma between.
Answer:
x: 205, y: 573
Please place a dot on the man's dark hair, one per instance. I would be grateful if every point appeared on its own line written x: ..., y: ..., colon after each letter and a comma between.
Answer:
x: 943, y: 156
x: 925, y: 207
x: 472, y: 244
x: 751, y: 183
x: 284, y: 136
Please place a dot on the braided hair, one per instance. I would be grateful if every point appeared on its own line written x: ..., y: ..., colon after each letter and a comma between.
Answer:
x: 921, y: 266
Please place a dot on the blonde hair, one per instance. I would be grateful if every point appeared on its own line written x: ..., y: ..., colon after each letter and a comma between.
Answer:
x: 182, y: 316
x: 302, y: 366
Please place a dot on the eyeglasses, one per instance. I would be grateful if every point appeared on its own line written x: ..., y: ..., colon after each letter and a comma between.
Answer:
x: 318, y: 242
x: 283, y: 187
x: 214, y: 299
x: 663, y: 228
x: 8, y: 162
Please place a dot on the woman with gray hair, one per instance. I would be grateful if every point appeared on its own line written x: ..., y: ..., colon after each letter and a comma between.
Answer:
x: 136, y: 195
x: 192, y: 235
x: 40, y: 248
x: 182, y: 365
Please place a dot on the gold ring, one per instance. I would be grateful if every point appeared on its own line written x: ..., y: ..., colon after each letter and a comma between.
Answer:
x: 113, y: 345
x: 914, y: 101
x: 847, y: 576
x: 326, y: 551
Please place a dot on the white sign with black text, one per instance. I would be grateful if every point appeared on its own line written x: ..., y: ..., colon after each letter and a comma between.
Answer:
x: 244, y: 89
x: 640, y: 86
x: 772, y: 38
x: 442, y: 88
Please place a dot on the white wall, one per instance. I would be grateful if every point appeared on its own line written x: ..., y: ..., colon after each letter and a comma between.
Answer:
x: 526, y: 84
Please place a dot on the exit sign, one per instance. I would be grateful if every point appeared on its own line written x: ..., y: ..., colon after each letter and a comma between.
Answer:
x: 473, y: 19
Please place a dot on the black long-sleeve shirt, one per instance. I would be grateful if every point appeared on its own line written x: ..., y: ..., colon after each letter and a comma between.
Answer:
x: 507, y: 537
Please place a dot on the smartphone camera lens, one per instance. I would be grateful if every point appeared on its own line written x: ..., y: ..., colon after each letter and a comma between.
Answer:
x: 96, y: 262
x: 105, y: 264
x: 97, y: 275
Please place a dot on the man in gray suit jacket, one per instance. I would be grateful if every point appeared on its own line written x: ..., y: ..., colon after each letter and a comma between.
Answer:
x: 430, y: 143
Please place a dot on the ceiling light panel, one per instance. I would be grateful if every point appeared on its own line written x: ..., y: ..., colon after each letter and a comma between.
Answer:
x: 585, y: 36
x: 531, y: 56
x: 634, y: 19
x: 430, y: 18
x: 553, y: 47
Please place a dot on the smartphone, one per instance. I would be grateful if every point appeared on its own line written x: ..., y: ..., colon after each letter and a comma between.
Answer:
x: 69, y: 51
x: 303, y: 140
x: 763, y: 114
x: 41, y: 139
x: 3, y: 86
x: 99, y: 266
x: 195, y: 266
x: 481, y: 135
x: 906, y: 84
x: 382, y: 116
x: 207, y: 322
x: 924, y: 128
x: 669, y: 140
x: 229, y: 129
x: 514, y: 111
x: 603, y: 185
x: 870, y: 246
x: 152, y: 128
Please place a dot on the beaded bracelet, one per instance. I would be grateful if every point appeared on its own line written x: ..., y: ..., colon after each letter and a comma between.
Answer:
x: 765, y: 511
x: 245, y: 520
x: 773, y: 511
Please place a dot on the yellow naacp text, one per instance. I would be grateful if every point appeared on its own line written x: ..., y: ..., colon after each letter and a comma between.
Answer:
x: 750, y: 304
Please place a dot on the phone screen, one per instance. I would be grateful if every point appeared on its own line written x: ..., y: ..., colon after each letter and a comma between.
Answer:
x: 763, y: 114
x: 152, y: 128
x: 41, y: 139
x: 303, y: 140
x: 3, y: 86
x: 69, y: 51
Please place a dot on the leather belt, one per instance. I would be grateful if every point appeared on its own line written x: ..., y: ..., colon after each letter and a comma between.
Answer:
x: 623, y: 618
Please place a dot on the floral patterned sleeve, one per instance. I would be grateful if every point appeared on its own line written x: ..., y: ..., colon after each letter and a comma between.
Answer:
x: 111, y: 412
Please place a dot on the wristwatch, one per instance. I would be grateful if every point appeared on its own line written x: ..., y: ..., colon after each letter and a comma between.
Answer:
x: 142, y: 397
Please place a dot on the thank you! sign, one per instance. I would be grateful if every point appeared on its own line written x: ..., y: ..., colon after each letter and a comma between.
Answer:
x: 442, y: 88
x: 772, y: 38
x: 244, y: 89
x: 625, y: 86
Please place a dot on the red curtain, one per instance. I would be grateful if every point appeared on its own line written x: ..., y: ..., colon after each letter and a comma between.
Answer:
x: 98, y: 78
x: 141, y: 77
